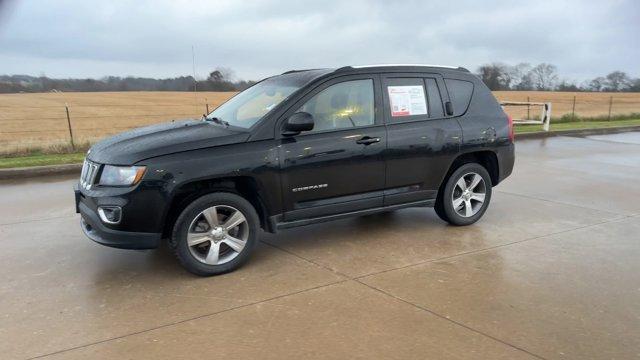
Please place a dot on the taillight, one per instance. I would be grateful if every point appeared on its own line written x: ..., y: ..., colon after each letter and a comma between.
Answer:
x: 510, y: 126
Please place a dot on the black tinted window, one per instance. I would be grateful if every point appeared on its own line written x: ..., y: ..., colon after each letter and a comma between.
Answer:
x: 435, y: 102
x: 460, y: 94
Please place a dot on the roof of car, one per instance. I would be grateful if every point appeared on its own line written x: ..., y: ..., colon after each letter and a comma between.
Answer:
x: 380, y: 67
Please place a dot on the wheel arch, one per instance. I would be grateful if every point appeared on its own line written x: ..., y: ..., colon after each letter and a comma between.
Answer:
x: 244, y: 186
x: 487, y: 158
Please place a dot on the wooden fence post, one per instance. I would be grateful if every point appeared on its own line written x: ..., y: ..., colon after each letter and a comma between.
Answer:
x: 573, y: 108
x: 66, y: 107
x: 528, y: 109
x: 610, y: 106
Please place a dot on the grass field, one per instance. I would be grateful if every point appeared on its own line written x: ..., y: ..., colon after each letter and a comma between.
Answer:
x: 587, y: 104
x: 30, y: 122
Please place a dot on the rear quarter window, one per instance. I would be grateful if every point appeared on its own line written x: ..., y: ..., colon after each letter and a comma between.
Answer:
x: 460, y: 92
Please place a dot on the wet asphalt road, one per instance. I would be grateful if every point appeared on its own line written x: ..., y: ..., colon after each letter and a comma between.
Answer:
x: 552, y: 271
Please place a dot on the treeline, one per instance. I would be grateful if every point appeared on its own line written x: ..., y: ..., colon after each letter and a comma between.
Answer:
x: 218, y: 80
x: 497, y: 76
x: 544, y: 77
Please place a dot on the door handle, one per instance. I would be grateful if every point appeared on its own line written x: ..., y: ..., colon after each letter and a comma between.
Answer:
x: 367, y: 140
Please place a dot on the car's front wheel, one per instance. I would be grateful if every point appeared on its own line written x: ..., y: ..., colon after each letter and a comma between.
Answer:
x: 215, y: 234
x: 465, y: 196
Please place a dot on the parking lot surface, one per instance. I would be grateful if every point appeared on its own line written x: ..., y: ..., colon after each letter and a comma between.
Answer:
x: 552, y: 271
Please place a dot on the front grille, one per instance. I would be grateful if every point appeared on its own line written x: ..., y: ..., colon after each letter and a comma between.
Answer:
x: 88, y: 174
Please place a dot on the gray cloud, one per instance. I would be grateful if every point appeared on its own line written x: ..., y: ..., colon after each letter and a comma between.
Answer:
x: 153, y: 38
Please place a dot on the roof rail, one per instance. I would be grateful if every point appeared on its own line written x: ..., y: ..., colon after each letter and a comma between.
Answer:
x: 392, y: 65
x: 300, y: 70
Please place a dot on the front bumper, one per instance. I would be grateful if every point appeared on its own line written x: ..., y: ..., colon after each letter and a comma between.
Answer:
x: 95, y: 230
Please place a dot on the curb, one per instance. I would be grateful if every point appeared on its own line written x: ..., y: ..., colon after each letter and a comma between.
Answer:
x: 50, y: 170
x: 577, y: 132
x: 37, y: 171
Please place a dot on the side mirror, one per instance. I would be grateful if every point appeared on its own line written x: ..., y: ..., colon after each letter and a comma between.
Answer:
x: 448, y: 107
x: 300, y: 121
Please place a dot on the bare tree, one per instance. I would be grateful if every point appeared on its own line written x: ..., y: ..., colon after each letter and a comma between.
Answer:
x: 521, y: 77
x: 617, y: 81
x: 495, y: 76
x: 544, y: 76
x: 597, y: 84
x: 215, y: 76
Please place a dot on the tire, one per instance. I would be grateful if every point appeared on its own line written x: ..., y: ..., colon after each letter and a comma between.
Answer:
x: 459, y: 207
x: 222, y: 223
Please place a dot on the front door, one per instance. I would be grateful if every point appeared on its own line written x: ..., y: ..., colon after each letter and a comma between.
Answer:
x: 338, y: 166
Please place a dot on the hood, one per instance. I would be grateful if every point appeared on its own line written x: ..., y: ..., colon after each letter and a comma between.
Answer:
x: 129, y: 147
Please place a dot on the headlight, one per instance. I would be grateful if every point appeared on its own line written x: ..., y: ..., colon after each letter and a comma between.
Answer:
x: 121, y: 175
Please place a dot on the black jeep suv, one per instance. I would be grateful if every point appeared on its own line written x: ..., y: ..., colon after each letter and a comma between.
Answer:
x: 295, y: 149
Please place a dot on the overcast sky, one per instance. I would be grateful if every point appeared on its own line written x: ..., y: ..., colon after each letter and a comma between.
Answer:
x: 66, y: 38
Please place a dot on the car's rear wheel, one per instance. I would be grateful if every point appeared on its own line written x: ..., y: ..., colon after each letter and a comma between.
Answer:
x: 465, y: 196
x: 215, y: 234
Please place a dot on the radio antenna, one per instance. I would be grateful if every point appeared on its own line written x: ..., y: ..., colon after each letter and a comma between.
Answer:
x: 195, y: 82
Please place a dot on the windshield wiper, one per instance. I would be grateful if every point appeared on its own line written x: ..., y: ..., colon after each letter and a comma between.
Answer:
x: 218, y: 121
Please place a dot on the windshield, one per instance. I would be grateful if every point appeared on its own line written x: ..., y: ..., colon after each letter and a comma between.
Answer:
x: 249, y: 106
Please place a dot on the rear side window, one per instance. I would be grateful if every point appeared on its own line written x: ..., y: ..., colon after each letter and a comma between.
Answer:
x: 460, y: 94
x: 435, y: 101
x: 407, y: 99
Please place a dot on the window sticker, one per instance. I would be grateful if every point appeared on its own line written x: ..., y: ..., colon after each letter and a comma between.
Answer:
x: 407, y: 100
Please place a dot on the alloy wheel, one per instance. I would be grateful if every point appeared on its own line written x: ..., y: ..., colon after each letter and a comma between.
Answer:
x: 469, y: 194
x: 218, y: 234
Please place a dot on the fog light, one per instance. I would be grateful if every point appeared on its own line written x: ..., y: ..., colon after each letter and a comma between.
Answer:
x: 110, y: 214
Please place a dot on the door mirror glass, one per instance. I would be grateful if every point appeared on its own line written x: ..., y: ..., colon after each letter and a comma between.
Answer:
x: 448, y: 106
x: 298, y: 122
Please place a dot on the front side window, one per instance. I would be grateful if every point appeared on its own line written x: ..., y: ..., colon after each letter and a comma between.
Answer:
x: 344, y: 105
x: 251, y: 105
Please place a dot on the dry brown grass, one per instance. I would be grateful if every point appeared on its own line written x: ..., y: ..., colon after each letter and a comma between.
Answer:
x: 29, y: 121
x: 39, y: 120
x: 588, y: 104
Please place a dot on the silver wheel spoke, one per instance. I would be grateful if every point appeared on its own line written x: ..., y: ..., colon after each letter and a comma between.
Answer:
x: 234, y: 220
x: 475, y: 180
x: 477, y: 197
x: 468, y: 200
x: 194, y: 239
x: 211, y: 214
x: 236, y: 244
x: 206, y: 246
x: 468, y: 210
x: 213, y: 253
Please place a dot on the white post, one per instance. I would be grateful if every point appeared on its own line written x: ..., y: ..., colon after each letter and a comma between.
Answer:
x: 547, y: 116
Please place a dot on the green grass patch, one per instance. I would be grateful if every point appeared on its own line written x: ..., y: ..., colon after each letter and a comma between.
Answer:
x: 521, y: 129
x: 573, y: 118
x: 41, y: 159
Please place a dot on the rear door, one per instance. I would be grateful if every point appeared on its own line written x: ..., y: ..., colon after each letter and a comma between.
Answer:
x: 421, y: 140
x: 338, y: 166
